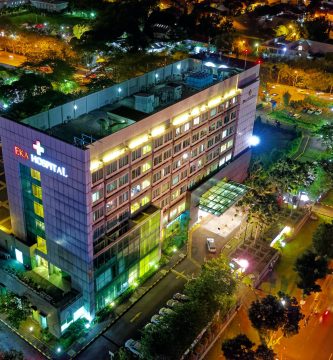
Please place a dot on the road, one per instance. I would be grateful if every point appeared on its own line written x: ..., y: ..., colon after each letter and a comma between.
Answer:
x: 11, y: 60
x: 9, y: 340
x: 129, y: 325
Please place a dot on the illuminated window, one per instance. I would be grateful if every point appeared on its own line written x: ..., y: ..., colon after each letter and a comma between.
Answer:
x: 40, y: 225
x: 38, y: 209
x: 145, y: 200
x: 96, y: 195
x: 181, y: 207
x: 230, y: 143
x: 41, y: 244
x: 173, y: 213
x: 134, y: 207
x: 146, y: 149
x: 35, y: 174
x: 145, y: 183
x: 146, y: 166
x: 196, y: 120
x: 223, y: 147
x: 19, y: 256
x: 37, y: 191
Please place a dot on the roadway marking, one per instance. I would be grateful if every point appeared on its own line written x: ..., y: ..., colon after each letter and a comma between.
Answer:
x: 179, y: 274
x: 135, y: 317
x: 330, y: 356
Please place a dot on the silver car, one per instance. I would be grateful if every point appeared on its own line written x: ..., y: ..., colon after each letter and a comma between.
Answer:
x: 165, y: 311
x: 133, y: 346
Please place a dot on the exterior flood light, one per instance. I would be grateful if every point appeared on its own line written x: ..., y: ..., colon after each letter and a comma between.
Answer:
x: 254, y: 140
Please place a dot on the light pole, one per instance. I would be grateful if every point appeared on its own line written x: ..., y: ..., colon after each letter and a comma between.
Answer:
x: 246, y: 51
x: 257, y: 47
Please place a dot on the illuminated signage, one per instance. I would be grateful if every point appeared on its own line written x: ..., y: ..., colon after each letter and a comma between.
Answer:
x: 21, y: 153
x: 38, y: 160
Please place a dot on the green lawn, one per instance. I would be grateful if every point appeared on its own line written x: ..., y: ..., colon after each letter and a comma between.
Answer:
x: 314, y: 155
x: 306, y: 121
x: 283, y: 278
x: 274, y: 142
x: 33, y: 18
x: 328, y: 199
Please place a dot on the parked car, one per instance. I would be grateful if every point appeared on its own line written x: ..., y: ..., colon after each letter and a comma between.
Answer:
x: 149, y: 326
x: 296, y: 116
x: 181, y: 297
x: 172, y: 303
x: 165, y: 311
x: 211, y: 245
x: 311, y: 110
x: 156, y: 319
x: 305, y: 110
x: 318, y: 112
x: 133, y: 346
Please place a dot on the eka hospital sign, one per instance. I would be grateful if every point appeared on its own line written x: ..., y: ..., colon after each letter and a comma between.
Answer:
x: 39, y: 160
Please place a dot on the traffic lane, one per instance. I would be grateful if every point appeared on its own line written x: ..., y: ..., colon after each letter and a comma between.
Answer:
x: 139, y: 315
x: 99, y: 349
x: 9, y: 340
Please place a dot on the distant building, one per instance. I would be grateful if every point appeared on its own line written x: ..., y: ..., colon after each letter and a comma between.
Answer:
x: 279, y: 47
x: 12, y: 3
x: 50, y: 5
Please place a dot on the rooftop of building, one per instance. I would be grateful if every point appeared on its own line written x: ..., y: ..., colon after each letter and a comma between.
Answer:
x: 95, y: 116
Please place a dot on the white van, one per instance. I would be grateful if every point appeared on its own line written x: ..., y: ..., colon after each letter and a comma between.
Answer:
x: 211, y: 245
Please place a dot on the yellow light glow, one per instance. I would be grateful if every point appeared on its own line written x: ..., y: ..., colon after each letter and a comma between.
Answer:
x: 138, y: 141
x: 214, y: 102
x: 95, y: 164
x: 230, y: 94
x: 195, y: 111
x: 113, y: 155
x: 203, y: 108
x: 180, y: 119
x: 159, y: 130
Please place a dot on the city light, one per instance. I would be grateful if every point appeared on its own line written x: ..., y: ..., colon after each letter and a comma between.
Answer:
x: 254, y: 140
x: 58, y: 349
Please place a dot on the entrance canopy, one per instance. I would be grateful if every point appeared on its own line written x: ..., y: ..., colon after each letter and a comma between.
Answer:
x: 221, y: 197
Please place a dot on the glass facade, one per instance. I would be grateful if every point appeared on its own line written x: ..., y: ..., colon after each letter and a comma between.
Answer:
x: 33, y: 206
x: 127, y: 259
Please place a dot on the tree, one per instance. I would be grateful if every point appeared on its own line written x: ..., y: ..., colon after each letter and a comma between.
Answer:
x: 80, y: 29
x: 310, y: 267
x: 290, y: 176
x: 15, y: 307
x: 264, y: 353
x: 215, y: 286
x: 273, y: 315
x: 11, y: 354
x: 323, y: 240
x: 241, y: 347
x: 326, y: 134
x: 286, y: 98
x: 212, y: 291
x: 318, y: 29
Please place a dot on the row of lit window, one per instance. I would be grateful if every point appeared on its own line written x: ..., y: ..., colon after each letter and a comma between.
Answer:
x: 143, y: 150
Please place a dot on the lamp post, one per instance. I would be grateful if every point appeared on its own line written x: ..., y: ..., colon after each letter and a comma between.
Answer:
x: 246, y: 51
x: 257, y: 47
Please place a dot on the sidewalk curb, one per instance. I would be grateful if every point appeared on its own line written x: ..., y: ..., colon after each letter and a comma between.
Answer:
x: 131, y: 305
x: 26, y: 340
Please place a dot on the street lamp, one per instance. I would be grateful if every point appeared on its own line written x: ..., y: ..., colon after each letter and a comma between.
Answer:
x: 257, y: 47
x: 75, y: 108
x: 246, y: 51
